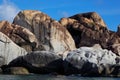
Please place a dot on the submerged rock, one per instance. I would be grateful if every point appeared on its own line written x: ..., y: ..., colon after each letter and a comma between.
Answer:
x: 18, y: 71
x: 9, y: 50
x: 39, y: 62
x: 15, y: 70
x: 20, y: 35
x: 50, y: 33
x: 92, y: 62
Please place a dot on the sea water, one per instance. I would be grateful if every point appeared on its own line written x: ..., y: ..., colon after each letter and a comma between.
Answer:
x: 52, y: 77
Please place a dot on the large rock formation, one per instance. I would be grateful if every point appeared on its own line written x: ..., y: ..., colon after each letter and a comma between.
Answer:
x: 92, y: 61
x: 88, y: 29
x: 20, y: 35
x: 40, y: 32
x: 50, y: 33
x: 9, y: 50
x: 39, y: 62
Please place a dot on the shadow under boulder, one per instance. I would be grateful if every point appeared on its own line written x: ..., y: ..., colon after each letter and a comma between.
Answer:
x: 38, y: 62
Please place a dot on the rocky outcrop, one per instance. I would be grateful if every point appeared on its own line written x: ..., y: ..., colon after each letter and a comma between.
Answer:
x: 9, y: 50
x: 88, y: 29
x: 20, y: 35
x: 50, y: 33
x: 92, y: 61
x: 51, y: 48
x: 39, y: 62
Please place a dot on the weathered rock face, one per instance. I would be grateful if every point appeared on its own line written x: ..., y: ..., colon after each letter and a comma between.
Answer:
x: 89, y: 61
x: 50, y: 33
x: 20, y: 35
x: 40, y: 62
x: 9, y: 50
x: 88, y: 29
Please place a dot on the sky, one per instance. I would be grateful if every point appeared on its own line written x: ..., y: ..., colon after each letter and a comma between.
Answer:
x: 109, y: 10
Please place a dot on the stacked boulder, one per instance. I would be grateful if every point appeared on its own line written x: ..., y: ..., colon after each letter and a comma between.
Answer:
x: 36, y: 43
x: 35, y: 31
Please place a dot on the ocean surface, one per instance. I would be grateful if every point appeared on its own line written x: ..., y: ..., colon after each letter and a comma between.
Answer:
x: 52, y: 77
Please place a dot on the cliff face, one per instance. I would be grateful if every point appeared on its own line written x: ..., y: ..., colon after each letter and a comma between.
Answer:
x: 88, y: 29
x: 50, y: 33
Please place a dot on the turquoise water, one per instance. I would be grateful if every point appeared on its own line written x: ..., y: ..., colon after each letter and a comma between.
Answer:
x: 51, y: 77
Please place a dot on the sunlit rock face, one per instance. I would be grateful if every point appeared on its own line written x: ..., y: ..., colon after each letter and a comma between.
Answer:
x: 88, y: 29
x: 50, y: 33
x: 9, y: 50
x: 20, y: 35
